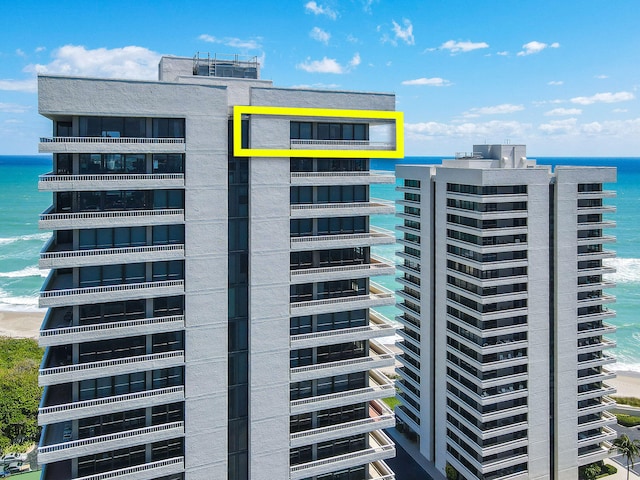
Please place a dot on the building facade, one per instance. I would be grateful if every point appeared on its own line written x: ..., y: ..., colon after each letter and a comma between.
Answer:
x: 502, y: 276
x: 211, y: 311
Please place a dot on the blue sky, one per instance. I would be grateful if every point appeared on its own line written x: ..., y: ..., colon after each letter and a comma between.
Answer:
x: 561, y: 76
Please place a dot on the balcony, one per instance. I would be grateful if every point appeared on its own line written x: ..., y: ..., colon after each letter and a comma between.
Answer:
x: 102, y: 331
x: 596, y: 255
x: 596, y: 345
x: 125, y: 218
x: 597, y: 328
x: 352, y: 209
x: 597, y: 315
x: 342, y: 178
x: 595, y: 375
x: 375, y: 236
x: 111, y: 145
x: 380, y: 416
x: 316, y: 144
x: 379, y: 326
x: 377, y: 266
x: 595, y: 284
x: 55, y: 295
x: 63, y: 256
x: 596, y: 299
x: 380, y: 448
x: 601, y: 420
x: 379, y: 387
x: 378, y: 296
x: 147, y: 471
x: 595, y: 453
x: 596, y: 225
x: 597, y: 238
x: 595, y: 361
x: 54, y: 452
x: 101, y: 406
x: 597, y: 194
x: 606, y: 434
x: 595, y: 392
x: 591, y: 406
x: 379, y: 357
x: 597, y: 210
x: 107, y: 368
x: 126, y: 181
x: 380, y: 471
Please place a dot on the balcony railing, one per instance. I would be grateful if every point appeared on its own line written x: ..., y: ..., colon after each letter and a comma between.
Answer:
x: 380, y: 416
x: 378, y: 266
x: 60, y: 451
x: 109, y: 140
x: 109, y: 181
x: 312, y: 210
x: 53, y: 298
x: 58, y: 413
x: 104, y: 368
x: 142, y: 472
x: 121, y: 218
x: 341, y: 178
x: 380, y: 448
x: 341, y: 144
x: 379, y: 387
x: 72, y: 258
x: 378, y: 296
x: 376, y: 236
x: 378, y: 357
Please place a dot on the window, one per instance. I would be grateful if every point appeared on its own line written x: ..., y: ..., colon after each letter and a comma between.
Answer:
x: 168, y: 128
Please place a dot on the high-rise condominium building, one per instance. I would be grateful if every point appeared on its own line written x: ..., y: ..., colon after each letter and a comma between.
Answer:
x: 210, y: 296
x: 504, y: 366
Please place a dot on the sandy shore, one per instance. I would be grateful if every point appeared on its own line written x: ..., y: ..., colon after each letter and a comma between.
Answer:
x: 627, y: 384
x: 20, y: 324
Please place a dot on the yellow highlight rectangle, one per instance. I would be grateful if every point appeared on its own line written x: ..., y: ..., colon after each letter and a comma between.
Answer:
x: 239, y: 151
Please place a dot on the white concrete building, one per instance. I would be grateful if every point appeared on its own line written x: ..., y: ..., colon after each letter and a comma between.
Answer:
x: 502, y: 274
x: 211, y: 313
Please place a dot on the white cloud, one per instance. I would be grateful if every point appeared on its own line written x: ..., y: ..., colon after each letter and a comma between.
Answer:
x: 320, y: 86
x: 313, y: 7
x: 231, y: 42
x: 352, y: 39
x: 20, y: 52
x: 504, y: 53
x: 127, y: 62
x: 431, y: 82
x: 457, y: 47
x: 605, y: 97
x: 556, y: 112
x: 405, y: 34
x: 536, y: 47
x: 40, y: 49
x: 559, y: 127
x: 601, y: 77
x: 555, y: 82
x: 320, y: 35
x: 619, y: 110
x: 13, y: 108
x: 366, y: 5
x: 494, y: 110
x: 27, y: 86
x: 329, y: 65
x: 492, y: 129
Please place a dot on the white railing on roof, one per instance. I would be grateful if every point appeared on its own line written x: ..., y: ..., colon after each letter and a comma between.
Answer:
x: 109, y: 140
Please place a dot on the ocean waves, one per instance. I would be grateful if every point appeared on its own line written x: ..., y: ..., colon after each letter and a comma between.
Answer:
x: 627, y: 270
x: 32, y: 271
x: 41, y: 237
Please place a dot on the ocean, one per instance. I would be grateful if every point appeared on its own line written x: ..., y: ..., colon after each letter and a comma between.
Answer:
x: 21, y: 241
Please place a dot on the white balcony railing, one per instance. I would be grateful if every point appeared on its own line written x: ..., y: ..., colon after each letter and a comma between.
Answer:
x: 378, y: 296
x: 341, y: 144
x: 110, y: 140
x: 376, y: 236
x: 57, y: 413
x: 378, y: 266
x: 109, y: 181
x: 70, y: 258
x: 121, y: 218
x: 145, y: 471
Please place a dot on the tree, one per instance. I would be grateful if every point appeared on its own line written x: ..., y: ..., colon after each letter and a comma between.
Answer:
x: 627, y: 448
x: 590, y: 471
